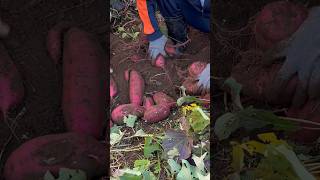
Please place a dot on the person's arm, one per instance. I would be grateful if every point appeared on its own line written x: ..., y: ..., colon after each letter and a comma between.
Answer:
x: 147, y: 9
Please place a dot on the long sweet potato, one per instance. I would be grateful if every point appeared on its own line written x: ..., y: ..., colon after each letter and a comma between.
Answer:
x: 84, y: 83
x: 123, y: 110
x: 52, y: 152
x: 113, y: 88
x: 162, y: 98
x: 136, y: 87
x: 11, y: 85
x: 156, y: 113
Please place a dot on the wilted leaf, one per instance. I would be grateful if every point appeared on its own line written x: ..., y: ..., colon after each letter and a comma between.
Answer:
x: 140, y: 133
x: 184, y: 124
x: 235, y: 89
x: 149, y: 147
x: 237, y: 158
x: 116, y: 137
x: 67, y: 174
x: 147, y: 175
x: 187, y: 171
x: 142, y: 164
x: 198, y: 120
x: 271, y: 138
x: 177, y: 139
x: 254, y: 147
x: 225, y: 125
x: 199, y: 161
x: 173, y: 153
x: 187, y: 99
x: 174, y: 166
x: 130, y: 120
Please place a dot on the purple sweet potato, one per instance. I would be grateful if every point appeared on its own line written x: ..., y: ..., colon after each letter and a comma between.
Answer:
x: 11, y: 85
x: 52, y: 152
x: 136, y: 87
x: 147, y: 102
x: 123, y: 110
x: 156, y: 113
x: 162, y: 98
x: 84, y: 83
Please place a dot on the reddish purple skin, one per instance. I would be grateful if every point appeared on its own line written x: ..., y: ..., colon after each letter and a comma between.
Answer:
x: 84, y: 83
x: 196, y: 68
x: 162, y: 98
x: 147, y: 102
x: 123, y: 110
x: 75, y: 151
x: 113, y: 88
x: 11, y: 85
x: 156, y: 113
x: 136, y: 87
x: 160, y: 61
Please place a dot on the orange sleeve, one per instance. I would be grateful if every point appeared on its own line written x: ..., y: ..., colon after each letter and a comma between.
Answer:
x: 144, y: 16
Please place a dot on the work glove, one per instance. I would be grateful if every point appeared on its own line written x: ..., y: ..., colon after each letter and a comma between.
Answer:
x: 302, y: 52
x: 157, y: 47
x: 204, y: 80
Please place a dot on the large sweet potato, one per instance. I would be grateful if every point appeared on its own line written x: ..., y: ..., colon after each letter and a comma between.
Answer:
x: 84, y: 83
x: 196, y: 68
x: 11, y: 86
x: 136, y: 87
x: 278, y: 21
x: 156, y: 113
x: 162, y: 98
x: 52, y: 152
x: 123, y: 110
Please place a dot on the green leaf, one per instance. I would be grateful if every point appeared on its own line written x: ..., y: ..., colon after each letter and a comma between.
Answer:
x: 198, y: 120
x: 126, y: 176
x: 157, y: 168
x: 225, y: 125
x: 116, y: 137
x: 147, y: 175
x: 124, y: 35
x: 187, y: 171
x: 142, y: 164
x: 174, y: 166
x: 235, y: 88
x: 237, y: 158
x: 173, y: 153
x: 140, y: 133
x: 149, y: 147
x: 121, y: 29
x: 130, y: 120
x: 179, y: 140
x: 187, y: 99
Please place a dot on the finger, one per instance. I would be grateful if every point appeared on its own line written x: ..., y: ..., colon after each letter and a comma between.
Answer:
x: 314, y: 83
x: 300, y: 95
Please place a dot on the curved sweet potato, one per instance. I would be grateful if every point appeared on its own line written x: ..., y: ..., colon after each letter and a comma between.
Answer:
x: 162, y: 98
x: 147, y: 102
x: 136, y: 87
x: 84, y: 83
x: 11, y: 85
x: 123, y: 110
x: 52, y: 152
x: 196, y: 68
x: 156, y: 113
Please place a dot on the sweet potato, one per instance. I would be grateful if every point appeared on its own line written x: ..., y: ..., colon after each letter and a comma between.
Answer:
x: 55, y: 39
x: 156, y: 113
x: 278, y: 21
x: 162, y: 98
x: 113, y: 88
x: 147, y: 102
x: 52, y: 152
x: 191, y: 86
x: 160, y: 62
x: 170, y: 50
x: 123, y: 110
x: 196, y: 68
x: 84, y: 83
x: 136, y: 58
x: 206, y: 100
x: 136, y: 87
x: 11, y: 85
x: 126, y: 75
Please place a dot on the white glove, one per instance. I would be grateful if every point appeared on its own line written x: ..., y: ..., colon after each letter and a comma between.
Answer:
x: 204, y: 79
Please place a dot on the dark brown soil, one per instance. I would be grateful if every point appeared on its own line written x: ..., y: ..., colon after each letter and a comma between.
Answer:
x: 30, y: 22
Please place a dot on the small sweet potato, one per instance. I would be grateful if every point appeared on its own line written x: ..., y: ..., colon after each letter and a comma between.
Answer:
x: 162, y: 98
x: 160, y: 61
x: 147, y: 102
x: 123, y: 110
x: 156, y: 113
x: 113, y: 88
x: 52, y: 152
x: 136, y: 87
x: 191, y: 86
x: 196, y: 68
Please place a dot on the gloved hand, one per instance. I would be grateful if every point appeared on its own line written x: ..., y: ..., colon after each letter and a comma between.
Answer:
x: 157, y: 47
x: 302, y: 58
x: 204, y: 80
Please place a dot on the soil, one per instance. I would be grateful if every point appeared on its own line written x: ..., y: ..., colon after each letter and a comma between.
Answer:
x: 40, y: 114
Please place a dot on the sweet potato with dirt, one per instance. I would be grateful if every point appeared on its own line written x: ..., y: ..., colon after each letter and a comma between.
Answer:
x: 278, y: 21
x: 191, y: 86
x: 196, y: 68
x: 136, y: 87
x: 11, y: 85
x: 162, y: 98
x: 159, y: 62
x: 123, y: 110
x: 35, y: 157
x: 147, y: 102
x: 156, y: 113
x: 113, y: 88
x: 84, y: 83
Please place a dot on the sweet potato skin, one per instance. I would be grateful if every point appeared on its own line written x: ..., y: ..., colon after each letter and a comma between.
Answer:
x: 84, y: 83
x: 113, y: 88
x: 191, y: 86
x: 123, y: 110
x: 147, y: 102
x: 136, y: 87
x: 76, y: 151
x: 156, y: 113
x: 162, y: 98
x: 11, y: 85
x: 196, y: 68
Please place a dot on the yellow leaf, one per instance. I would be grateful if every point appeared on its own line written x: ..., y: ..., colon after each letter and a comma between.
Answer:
x: 254, y: 147
x: 237, y: 158
x: 271, y: 138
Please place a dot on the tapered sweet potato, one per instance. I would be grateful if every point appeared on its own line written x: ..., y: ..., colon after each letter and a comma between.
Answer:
x: 51, y: 152
x: 156, y: 113
x: 147, y: 102
x: 84, y: 83
x: 123, y: 110
x: 136, y: 87
x: 162, y: 98
x: 11, y: 85
x: 196, y: 68
x: 113, y: 88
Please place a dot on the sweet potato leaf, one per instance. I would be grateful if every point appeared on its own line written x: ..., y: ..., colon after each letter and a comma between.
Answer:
x: 130, y: 120
x: 174, y: 166
x: 187, y: 99
x: 150, y: 147
x: 198, y: 120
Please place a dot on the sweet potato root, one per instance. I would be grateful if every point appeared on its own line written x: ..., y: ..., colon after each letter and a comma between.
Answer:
x: 52, y: 152
x: 84, y: 83
x: 147, y: 102
x: 156, y: 113
x: 123, y: 110
x: 136, y: 87
x: 162, y: 98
